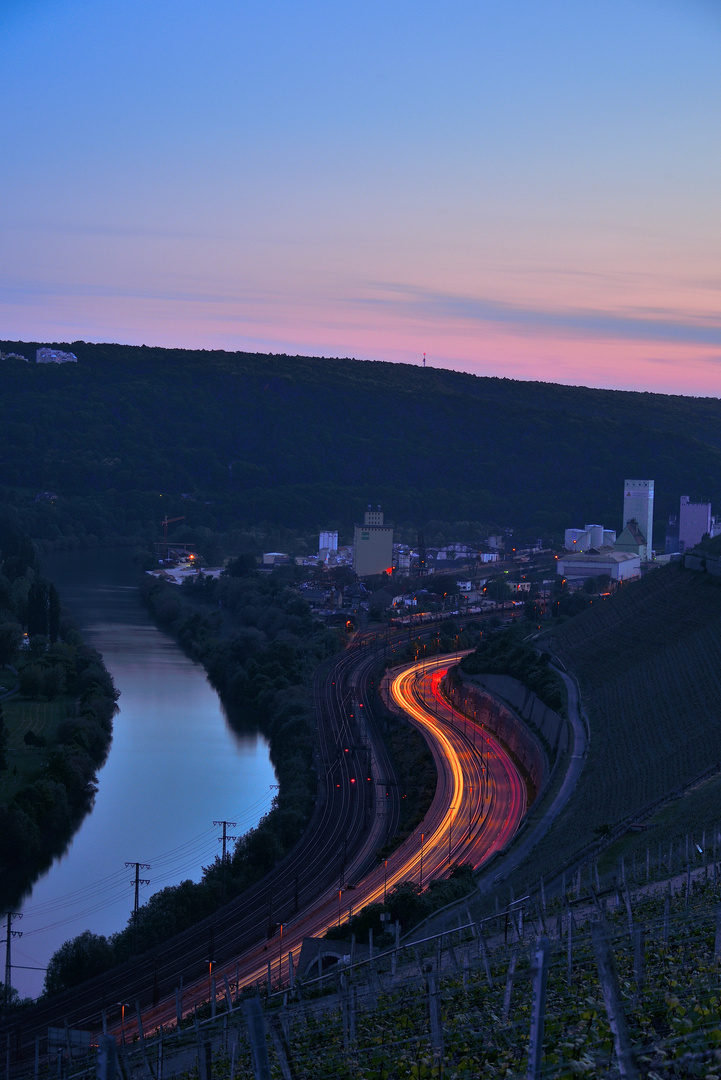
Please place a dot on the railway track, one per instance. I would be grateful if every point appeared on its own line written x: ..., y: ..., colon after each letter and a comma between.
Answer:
x: 338, y: 844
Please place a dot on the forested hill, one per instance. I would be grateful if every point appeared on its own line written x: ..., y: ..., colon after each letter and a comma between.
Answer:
x: 307, y: 442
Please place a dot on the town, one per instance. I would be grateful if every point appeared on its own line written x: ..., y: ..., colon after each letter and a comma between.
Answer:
x: 374, y: 578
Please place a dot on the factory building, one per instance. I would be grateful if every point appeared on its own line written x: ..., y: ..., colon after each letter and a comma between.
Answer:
x: 328, y: 546
x: 638, y: 507
x: 372, y: 544
x: 633, y: 540
x: 593, y: 536
x: 619, y: 565
x: 694, y: 521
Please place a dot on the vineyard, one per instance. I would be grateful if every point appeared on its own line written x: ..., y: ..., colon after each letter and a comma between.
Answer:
x: 648, y: 662
x: 622, y: 979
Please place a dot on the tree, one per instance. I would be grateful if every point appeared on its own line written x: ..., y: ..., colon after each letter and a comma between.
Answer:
x: 11, y: 634
x: 498, y: 589
x: 242, y: 566
x: 77, y: 960
x: 3, y: 742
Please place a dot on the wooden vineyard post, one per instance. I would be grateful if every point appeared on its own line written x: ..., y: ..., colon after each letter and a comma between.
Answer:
x: 434, y: 1014
x: 257, y: 1038
x: 610, y: 988
x: 484, y: 956
x: 538, y: 1009
x: 282, y: 1051
x: 228, y: 996
x: 629, y: 909
x: 509, y: 984
x: 666, y: 913
x: 717, y: 942
x: 639, y: 953
x: 107, y: 1058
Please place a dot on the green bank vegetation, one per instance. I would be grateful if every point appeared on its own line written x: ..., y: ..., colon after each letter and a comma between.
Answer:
x: 505, y: 652
x: 56, y: 715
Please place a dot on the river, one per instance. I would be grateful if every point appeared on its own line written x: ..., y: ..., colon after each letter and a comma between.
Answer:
x: 175, y: 766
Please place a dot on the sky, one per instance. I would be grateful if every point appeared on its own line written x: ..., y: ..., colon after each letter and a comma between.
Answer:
x: 514, y: 188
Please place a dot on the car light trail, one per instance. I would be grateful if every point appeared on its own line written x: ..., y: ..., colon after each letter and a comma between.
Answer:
x: 479, y: 803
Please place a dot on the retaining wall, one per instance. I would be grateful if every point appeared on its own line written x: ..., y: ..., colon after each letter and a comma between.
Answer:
x: 509, y: 719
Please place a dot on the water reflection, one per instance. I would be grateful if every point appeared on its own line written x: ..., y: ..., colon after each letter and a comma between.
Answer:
x: 175, y: 765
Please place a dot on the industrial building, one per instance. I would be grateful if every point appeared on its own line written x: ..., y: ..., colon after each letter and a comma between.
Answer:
x: 694, y: 521
x: 372, y: 544
x: 638, y: 506
x: 619, y: 565
x: 593, y: 536
x: 328, y: 546
x: 632, y: 540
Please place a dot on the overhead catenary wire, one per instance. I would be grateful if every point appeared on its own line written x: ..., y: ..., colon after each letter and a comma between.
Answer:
x: 174, y: 862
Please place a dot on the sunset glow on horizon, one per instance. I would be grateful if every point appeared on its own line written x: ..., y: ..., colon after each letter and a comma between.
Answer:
x: 518, y: 190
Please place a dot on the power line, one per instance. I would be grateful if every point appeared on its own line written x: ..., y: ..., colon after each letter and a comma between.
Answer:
x: 138, y: 881
x: 9, y: 935
x: 223, y: 839
x: 175, y: 861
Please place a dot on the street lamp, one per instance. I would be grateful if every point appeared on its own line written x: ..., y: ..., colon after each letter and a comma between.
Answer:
x: 421, y: 877
x: 123, y: 1007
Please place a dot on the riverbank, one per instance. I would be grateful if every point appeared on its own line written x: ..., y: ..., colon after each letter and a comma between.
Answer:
x: 56, y: 720
x: 259, y: 646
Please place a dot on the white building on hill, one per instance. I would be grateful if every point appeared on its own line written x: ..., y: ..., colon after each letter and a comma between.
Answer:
x: 54, y: 356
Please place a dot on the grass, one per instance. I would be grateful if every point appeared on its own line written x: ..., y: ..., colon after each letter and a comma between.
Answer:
x: 696, y: 814
x: 25, y: 762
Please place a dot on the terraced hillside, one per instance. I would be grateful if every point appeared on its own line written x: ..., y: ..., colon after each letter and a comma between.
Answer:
x: 648, y: 661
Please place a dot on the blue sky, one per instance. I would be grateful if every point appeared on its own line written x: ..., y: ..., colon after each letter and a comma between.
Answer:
x: 523, y: 189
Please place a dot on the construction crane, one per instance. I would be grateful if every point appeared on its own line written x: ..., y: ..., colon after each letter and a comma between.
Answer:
x: 168, y: 521
x: 163, y: 548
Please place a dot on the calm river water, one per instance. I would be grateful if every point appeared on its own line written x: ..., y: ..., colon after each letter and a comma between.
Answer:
x: 175, y: 766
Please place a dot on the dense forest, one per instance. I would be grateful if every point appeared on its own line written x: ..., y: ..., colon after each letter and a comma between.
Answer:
x: 239, y: 441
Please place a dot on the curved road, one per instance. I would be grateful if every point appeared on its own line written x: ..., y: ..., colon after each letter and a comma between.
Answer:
x: 479, y: 802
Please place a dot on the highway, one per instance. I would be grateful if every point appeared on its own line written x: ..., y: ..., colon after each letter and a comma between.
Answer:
x: 481, y: 798
x: 479, y: 802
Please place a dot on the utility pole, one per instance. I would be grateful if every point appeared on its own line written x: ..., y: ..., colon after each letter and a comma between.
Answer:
x: 9, y: 935
x: 223, y: 840
x: 137, y: 882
